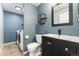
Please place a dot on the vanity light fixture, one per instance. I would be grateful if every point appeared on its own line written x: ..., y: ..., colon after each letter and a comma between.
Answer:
x: 18, y: 8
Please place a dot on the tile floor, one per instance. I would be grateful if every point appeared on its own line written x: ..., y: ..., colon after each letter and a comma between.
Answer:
x: 11, y: 50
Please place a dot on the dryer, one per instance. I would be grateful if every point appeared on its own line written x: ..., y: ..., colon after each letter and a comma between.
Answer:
x: 19, y: 37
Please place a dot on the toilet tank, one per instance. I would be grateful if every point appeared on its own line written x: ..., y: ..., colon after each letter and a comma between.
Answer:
x: 39, y: 38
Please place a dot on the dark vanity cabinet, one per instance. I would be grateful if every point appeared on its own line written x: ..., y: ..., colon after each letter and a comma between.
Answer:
x: 58, y: 47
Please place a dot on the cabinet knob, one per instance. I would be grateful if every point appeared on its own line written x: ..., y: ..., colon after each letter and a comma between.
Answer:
x: 66, y: 49
x: 49, y: 43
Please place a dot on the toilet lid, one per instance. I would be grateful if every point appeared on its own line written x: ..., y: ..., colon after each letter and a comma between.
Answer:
x: 33, y: 45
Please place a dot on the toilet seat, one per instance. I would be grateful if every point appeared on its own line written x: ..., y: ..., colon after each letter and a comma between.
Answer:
x: 33, y: 46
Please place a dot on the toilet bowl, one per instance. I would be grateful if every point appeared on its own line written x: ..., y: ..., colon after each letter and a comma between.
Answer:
x: 35, y: 47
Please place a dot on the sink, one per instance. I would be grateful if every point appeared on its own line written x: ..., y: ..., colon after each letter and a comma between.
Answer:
x: 52, y: 35
x: 64, y: 37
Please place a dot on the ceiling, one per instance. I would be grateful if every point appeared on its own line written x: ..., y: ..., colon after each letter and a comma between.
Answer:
x: 36, y: 4
x: 11, y: 7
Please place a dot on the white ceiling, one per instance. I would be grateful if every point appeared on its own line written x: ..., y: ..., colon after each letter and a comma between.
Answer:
x: 36, y: 4
x: 11, y: 7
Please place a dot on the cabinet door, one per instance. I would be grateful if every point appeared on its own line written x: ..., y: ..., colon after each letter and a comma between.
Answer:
x: 78, y: 50
x: 68, y: 49
x: 46, y: 46
x: 51, y: 46
x: 55, y: 48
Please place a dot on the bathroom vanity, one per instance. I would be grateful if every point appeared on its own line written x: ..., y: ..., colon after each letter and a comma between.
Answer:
x: 54, y: 45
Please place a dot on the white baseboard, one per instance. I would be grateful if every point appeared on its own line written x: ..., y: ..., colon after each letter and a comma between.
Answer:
x: 9, y: 43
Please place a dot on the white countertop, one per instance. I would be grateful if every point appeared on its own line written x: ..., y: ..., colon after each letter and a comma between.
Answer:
x: 64, y: 37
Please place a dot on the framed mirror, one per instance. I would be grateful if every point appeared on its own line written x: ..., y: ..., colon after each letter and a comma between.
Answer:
x: 62, y: 14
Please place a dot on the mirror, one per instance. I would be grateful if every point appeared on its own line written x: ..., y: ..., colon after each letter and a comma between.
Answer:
x: 62, y: 14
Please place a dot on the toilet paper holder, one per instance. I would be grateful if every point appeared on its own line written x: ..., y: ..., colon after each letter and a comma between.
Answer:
x: 27, y: 36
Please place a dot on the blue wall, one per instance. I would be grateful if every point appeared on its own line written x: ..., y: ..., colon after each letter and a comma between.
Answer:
x: 30, y: 17
x: 12, y: 22
x: 48, y: 28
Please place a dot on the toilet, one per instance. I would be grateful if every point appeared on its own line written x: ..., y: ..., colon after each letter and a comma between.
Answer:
x: 35, y: 47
